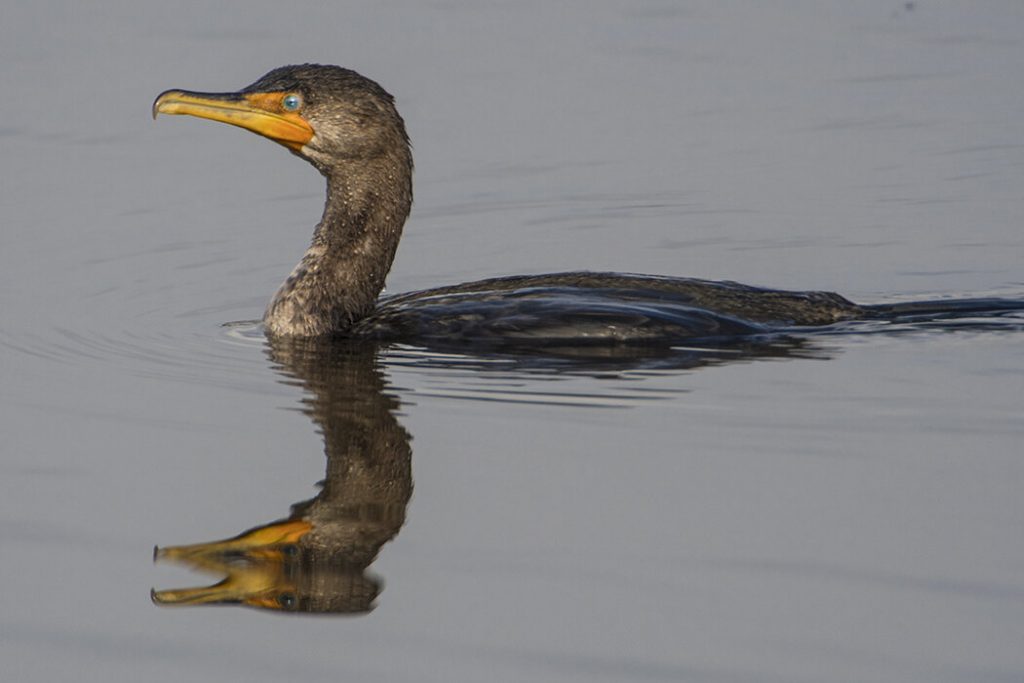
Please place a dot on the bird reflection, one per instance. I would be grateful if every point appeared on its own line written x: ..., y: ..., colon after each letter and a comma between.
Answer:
x: 317, y: 559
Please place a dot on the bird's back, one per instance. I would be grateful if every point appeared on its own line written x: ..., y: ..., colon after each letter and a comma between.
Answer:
x: 596, y: 308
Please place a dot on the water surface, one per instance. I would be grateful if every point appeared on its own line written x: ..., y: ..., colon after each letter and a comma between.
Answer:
x: 845, y: 508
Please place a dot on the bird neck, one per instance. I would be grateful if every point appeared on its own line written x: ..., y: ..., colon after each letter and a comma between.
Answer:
x: 341, y: 274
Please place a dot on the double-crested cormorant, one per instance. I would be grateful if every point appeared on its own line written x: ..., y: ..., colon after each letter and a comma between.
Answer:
x: 347, y: 126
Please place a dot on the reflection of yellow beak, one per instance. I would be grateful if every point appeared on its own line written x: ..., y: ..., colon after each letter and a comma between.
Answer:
x: 259, y: 112
x: 262, y: 539
x: 254, y: 563
x: 257, y: 584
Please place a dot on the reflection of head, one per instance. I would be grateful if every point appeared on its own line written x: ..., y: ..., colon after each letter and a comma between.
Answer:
x: 324, y: 587
x: 271, y: 567
x: 317, y: 559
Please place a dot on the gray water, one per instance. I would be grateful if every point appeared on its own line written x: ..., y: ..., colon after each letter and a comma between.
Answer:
x: 849, y: 510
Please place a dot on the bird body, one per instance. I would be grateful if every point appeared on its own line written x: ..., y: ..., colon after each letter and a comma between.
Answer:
x: 347, y: 126
x: 589, y: 308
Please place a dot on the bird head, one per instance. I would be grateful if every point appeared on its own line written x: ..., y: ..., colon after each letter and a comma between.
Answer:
x: 325, y: 114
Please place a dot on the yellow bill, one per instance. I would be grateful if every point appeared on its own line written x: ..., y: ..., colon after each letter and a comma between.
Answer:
x: 262, y: 113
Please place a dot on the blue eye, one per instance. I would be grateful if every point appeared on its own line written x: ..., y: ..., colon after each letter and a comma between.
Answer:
x: 292, y: 102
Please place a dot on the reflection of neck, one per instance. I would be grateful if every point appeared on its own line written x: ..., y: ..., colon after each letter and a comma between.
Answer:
x: 369, y: 460
x: 316, y: 560
x: 339, y: 277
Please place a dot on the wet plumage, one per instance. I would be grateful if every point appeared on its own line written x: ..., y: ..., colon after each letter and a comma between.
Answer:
x: 347, y: 126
